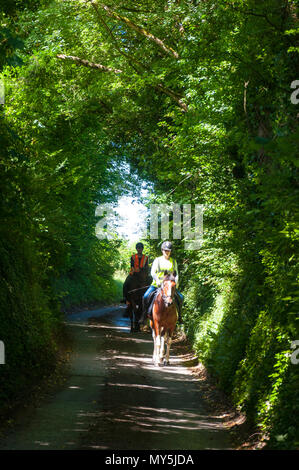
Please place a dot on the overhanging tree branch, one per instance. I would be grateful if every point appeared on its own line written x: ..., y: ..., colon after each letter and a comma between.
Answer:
x: 102, y: 68
x: 134, y: 63
x: 173, y: 95
x: 87, y: 63
x: 137, y: 28
x: 127, y: 56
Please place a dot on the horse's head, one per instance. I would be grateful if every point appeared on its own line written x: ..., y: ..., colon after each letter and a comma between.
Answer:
x: 168, y: 287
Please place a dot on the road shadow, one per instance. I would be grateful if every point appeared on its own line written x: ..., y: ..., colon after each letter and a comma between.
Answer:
x: 144, y: 407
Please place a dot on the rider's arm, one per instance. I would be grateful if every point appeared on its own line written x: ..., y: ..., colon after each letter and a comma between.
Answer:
x: 154, y: 271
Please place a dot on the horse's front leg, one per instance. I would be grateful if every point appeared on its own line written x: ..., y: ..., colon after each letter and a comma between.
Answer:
x: 133, y: 316
x: 137, y: 316
x: 158, y: 349
x: 129, y: 313
x: 160, y: 342
x: 162, y: 346
x: 155, y: 345
x: 168, y: 344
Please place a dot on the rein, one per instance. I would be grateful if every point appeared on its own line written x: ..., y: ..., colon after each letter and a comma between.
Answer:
x: 139, y: 288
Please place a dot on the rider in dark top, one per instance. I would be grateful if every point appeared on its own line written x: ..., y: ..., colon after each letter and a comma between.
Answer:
x: 138, y: 261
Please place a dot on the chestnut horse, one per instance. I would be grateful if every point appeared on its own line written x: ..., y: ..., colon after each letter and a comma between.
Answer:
x: 164, y: 319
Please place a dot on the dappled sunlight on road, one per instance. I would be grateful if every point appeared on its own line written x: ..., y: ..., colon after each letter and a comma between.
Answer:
x: 144, y: 406
x: 116, y: 398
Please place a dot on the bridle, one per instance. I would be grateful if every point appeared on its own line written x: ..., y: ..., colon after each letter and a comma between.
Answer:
x: 166, y: 297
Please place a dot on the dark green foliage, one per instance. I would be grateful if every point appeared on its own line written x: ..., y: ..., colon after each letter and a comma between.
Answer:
x: 28, y: 325
x: 201, y: 108
x: 53, y: 171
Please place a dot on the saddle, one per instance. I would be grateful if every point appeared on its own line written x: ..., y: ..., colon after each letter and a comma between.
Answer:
x: 151, y: 301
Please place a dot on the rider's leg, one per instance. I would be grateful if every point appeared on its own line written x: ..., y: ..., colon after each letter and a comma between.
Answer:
x: 149, y: 303
x: 145, y: 300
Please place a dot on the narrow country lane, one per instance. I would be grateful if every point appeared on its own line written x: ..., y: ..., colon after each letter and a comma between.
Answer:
x: 115, y: 398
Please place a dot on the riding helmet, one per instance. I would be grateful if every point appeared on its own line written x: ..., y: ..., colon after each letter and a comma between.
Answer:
x: 166, y: 246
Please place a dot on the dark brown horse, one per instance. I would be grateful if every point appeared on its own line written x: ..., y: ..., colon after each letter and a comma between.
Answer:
x: 137, y: 285
x: 164, y: 319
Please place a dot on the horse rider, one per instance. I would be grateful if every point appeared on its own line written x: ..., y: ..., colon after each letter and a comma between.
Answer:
x: 138, y: 261
x: 163, y: 263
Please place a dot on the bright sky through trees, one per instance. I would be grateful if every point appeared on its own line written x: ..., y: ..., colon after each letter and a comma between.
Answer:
x: 131, y: 219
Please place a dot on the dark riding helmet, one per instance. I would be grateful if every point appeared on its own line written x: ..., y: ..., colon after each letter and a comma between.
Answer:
x: 166, y: 246
x: 139, y: 245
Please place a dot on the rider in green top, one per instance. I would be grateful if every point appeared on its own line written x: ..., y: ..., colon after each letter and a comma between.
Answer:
x: 161, y: 264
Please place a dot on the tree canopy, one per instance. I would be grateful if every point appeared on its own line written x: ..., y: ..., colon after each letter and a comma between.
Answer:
x: 193, y: 97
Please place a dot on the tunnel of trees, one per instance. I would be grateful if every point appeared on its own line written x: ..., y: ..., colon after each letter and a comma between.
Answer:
x: 195, y: 98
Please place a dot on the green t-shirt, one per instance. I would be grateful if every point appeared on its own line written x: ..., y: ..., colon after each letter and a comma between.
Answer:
x: 160, y: 265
